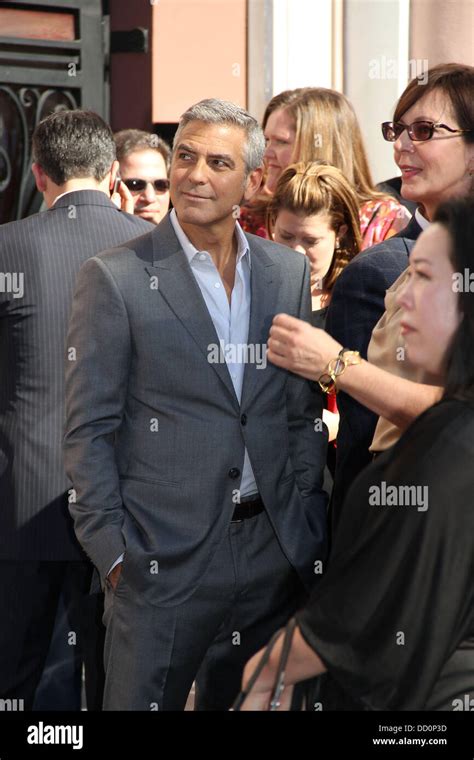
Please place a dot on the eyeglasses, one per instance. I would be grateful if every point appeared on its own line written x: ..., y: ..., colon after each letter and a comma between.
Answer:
x: 419, y: 131
x: 139, y: 185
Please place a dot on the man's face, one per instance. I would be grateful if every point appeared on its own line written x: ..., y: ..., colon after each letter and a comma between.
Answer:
x: 208, y: 175
x: 148, y: 166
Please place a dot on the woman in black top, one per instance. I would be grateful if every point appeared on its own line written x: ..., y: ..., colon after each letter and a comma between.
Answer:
x: 392, y: 620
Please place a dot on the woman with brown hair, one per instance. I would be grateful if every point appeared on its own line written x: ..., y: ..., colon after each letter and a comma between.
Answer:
x: 314, y: 210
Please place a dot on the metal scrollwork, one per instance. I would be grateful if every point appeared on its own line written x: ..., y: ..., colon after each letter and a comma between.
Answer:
x: 5, y: 169
x: 21, y: 108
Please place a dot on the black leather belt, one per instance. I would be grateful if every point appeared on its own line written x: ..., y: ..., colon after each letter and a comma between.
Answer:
x: 248, y: 507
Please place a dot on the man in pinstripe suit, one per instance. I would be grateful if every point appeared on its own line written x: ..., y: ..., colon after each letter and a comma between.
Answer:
x: 75, y: 169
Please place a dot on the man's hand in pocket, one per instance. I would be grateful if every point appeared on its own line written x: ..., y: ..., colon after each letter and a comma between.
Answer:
x: 114, y: 575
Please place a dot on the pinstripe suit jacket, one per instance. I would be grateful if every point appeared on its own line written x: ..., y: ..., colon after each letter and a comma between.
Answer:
x: 39, y: 259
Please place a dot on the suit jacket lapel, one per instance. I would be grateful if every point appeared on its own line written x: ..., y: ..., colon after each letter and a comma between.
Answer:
x: 411, y: 231
x: 264, y: 293
x: 177, y: 285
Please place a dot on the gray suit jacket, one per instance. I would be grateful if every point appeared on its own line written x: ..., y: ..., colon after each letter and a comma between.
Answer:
x: 47, y: 250
x: 155, y: 434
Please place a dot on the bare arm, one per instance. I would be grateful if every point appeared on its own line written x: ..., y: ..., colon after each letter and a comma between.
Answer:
x: 398, y: 400
x: 306, y: 350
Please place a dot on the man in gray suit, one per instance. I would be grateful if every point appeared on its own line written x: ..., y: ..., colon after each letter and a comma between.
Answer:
x: 197, y: 466
x: 40, y: 558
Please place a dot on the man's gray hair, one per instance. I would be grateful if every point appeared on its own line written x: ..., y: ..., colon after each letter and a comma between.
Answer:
x: 214, y: 111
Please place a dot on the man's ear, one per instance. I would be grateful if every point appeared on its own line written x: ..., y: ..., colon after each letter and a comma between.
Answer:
x: 40, y: 177
x: 253, y: 182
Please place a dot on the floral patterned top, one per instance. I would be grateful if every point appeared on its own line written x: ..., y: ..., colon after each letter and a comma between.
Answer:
x: 252, y: 221
x: 381, y: 219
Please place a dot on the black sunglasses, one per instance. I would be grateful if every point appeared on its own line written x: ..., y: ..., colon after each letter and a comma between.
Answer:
x: 138, y: 185
x: 419, y: 131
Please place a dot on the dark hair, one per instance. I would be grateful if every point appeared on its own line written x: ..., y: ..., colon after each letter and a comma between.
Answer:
x: 457, y: 217
x: 73, y: 144
x: 455, y: 81
x: 132, y: 140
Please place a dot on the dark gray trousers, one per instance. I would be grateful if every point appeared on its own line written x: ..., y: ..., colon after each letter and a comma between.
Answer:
x: 153, y: 654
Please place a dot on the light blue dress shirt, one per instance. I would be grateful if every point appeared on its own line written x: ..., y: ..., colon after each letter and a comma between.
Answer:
x: 231, y: 321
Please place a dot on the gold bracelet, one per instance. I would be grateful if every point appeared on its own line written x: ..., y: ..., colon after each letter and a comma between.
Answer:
x: 335, y: 368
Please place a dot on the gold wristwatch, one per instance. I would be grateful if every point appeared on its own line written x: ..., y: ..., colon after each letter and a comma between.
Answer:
x: 335, y: 368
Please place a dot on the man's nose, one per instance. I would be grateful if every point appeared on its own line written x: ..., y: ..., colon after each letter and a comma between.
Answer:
x: 198, y: 173
x: 149, y: 193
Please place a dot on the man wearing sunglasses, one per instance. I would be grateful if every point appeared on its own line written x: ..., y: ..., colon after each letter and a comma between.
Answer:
x: 144, y: 162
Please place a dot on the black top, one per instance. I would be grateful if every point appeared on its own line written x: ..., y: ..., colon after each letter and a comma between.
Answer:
x: 393, y: 616
x: 318, y: 317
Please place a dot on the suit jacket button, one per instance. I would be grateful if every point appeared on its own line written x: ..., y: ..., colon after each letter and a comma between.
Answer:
x: 243, y: 419
x: 234, y: 473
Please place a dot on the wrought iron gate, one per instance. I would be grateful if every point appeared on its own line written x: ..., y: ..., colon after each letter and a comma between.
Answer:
x: 53, y: 56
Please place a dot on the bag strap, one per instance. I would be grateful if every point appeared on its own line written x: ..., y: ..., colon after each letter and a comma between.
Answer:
x: 278, y: 684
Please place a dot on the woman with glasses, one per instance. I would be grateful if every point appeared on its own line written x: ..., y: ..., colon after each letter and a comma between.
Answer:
x: 392, y: 620
x: 433, y: 139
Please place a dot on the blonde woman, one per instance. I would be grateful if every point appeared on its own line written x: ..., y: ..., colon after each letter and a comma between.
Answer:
x: 253, y: 214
